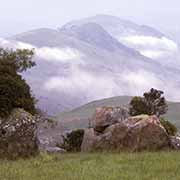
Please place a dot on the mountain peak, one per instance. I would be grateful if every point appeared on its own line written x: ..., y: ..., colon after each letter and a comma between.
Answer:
x: 95, y: 34
x: 116, y: 26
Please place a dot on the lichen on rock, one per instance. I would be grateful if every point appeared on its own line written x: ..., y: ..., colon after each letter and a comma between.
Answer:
x: 132, y: 134
x: 18, y: 135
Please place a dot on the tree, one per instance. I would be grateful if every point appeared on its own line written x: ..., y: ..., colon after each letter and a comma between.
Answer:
x: 19, y: 60
x: 152, y: 103
x: 137, y: 106
x: 14, y: 91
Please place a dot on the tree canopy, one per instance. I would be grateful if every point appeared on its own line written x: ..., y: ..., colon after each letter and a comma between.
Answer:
x: 14, y: 91
x: 152, y: 103
x: 19, y: 60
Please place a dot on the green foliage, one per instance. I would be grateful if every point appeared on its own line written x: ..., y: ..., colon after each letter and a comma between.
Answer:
x: 137, y: 106
x: 14, y: 91
x: 152, y: 103
x: 73, y: 141
x: 19, y: 60
x: 170, y: 128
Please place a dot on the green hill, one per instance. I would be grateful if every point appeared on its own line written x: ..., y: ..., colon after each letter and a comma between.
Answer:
x: 79, y: 117
x: 173, y: 113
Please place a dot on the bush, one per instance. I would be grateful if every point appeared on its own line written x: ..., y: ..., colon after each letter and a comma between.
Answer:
x: 73, y: 140
x: 170, y: 128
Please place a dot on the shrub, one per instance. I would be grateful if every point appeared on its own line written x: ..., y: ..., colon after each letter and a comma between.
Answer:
x: 170, y: 128
x: 73, y: 140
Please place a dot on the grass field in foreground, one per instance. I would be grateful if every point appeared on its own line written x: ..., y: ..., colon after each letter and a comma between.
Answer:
x: 140, y: 166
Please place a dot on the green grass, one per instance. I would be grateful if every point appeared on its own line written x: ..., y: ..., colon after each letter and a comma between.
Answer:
x: 104, y: 166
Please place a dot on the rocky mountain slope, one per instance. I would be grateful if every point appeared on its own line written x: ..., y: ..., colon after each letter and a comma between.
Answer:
x: 147, y: 40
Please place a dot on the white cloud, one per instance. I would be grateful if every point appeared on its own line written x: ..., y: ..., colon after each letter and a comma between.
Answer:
x: 141, y: 81
x: 153, y: 42
x: 153, y: 54
x: 82, y: 83
x: 64, y: 55
x: 152, y: 47
x: 21, y: 45
x: 57, y: 54
x: 89, y: 85
x: 92, y: 86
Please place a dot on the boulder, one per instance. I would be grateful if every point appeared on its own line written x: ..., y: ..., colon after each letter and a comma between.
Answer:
x: 146, y: 133
x: 89, y: 140
x: 54, y: 150
x: 49, y: 134
x: 106, y: 116
x: 18, y: 135
x: 175, y: 142
x: 133, y: 134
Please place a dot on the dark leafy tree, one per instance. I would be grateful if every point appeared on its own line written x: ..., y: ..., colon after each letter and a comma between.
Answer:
x: 14, y: 91
x: 152, y: 103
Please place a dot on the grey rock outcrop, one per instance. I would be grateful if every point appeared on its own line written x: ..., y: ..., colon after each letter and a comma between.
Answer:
x: 54, y: 150
x: 18, y: 135
x: 49, y: 134
x: 175, y: 142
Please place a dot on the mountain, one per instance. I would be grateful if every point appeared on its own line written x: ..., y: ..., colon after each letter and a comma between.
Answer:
x: 116, y: 26
x: 95, y: 35
x: 79, y: 117
x: 147, y: 40
x: 86, y: 60
x: 174, y: 33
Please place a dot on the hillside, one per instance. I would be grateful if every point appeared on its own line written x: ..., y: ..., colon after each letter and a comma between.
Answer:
x: 96, y: 58
x: 79, y: 117
x: 173, y: 113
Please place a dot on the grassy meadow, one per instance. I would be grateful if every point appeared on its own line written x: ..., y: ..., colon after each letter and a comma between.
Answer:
x: 102, y: 166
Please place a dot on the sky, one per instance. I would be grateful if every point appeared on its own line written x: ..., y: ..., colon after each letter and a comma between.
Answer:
x: 17, y: 16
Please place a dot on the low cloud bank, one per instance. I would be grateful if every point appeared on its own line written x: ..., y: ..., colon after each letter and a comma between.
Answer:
x: 152, y: 47
x: 90, y: 85
x: 93, y: 85
x: 84, y: 84
x: 64, y: 55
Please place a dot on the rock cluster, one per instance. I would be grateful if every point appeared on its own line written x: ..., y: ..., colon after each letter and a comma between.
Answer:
x: 49, y: 135
x: 175, y: 142
x: 111, y: 132
x: 106, y: 116
x: 18, y: 135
